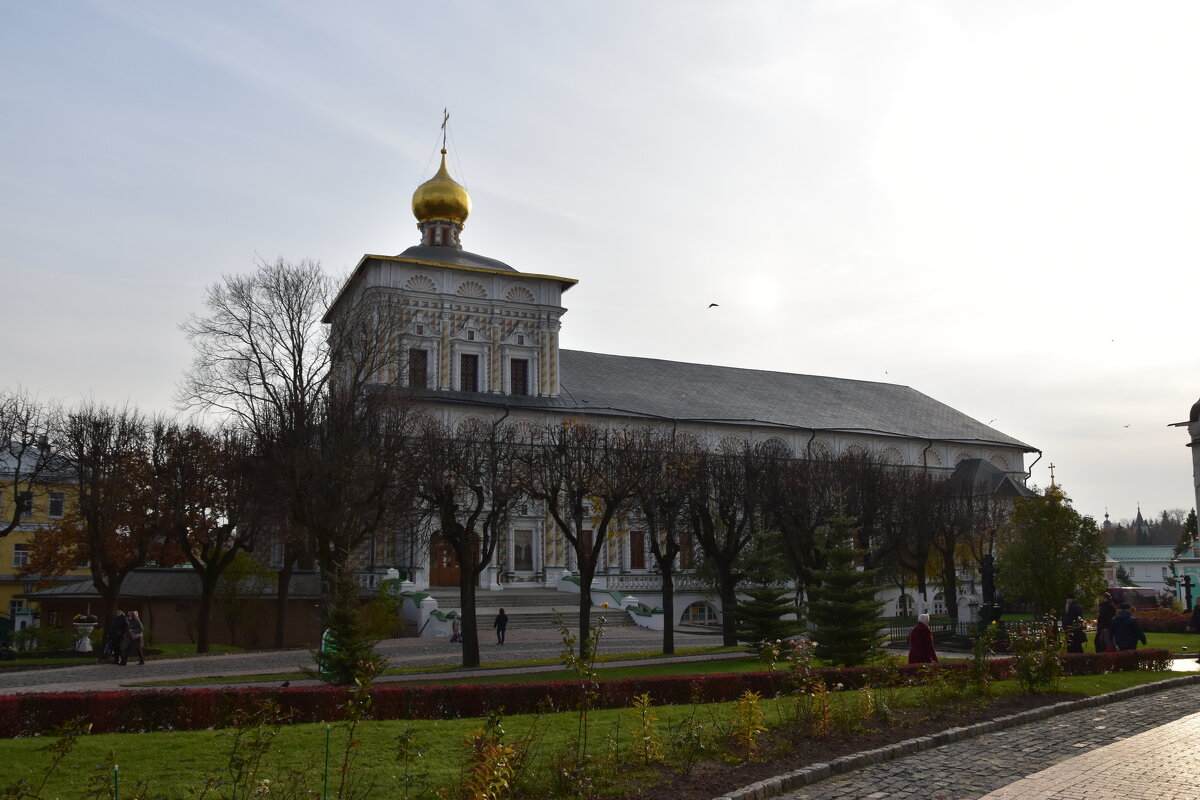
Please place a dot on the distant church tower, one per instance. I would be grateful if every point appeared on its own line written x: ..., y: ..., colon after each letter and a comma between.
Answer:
x: 1141, y: 529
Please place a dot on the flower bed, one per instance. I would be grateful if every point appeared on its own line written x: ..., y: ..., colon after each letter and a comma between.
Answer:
x: 192, y: 709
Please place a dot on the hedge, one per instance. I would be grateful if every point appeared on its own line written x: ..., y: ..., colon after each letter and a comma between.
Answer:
x: 33, y: 714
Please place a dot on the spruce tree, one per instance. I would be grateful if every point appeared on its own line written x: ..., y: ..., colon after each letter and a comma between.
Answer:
x: 349, y: 652
x: 760, y: 617
x: 843, y: 608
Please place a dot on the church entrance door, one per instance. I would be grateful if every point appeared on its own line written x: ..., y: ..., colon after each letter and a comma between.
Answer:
x: 443, y: 566
x: 444, y: 569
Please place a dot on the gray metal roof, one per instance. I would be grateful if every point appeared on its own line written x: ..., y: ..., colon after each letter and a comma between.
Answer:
x: 160, y: 583
x: 453, y: 257
x: 987, y: 478
x: 597, y: 383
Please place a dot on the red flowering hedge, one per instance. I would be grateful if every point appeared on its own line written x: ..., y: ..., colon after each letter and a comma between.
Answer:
x: 194, y: 709
x: 1163, y: 620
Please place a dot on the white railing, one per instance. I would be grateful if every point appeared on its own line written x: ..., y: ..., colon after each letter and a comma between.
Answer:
x: 653, y: 583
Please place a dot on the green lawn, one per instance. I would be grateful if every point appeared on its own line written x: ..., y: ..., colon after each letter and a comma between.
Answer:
x: 171, y: 764
x: 166, y: 651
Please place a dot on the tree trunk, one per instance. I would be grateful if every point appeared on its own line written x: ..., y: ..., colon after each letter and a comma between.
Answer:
x: 586, y: 573
x: 208, y: 590
x: 950, y: 585
x: 470, y: 619
x: 668, y: 606
x: 727, y: 586
x: 282, y: 589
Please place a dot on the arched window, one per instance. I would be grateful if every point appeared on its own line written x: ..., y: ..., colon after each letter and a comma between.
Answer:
x: 906, y: 606
x: 939, y: 605
x: 700, y: 613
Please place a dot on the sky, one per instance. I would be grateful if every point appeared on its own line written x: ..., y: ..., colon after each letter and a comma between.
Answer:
x: 989, y: 202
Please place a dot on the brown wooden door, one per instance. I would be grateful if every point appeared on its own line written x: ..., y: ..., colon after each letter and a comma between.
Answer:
x: 443, y: 566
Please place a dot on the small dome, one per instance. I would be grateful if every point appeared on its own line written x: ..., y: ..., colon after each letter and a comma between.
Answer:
x: 441, y: 197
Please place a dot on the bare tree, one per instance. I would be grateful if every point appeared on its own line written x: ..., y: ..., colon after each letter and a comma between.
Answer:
x: 354, y: 480
x: 725, y: 508
x: 800, y: 496
x: 586, y: 477
x: 114, y: 522
x: 26, y: 462
x: 263, y: 359
x: 662, y: 497
x: 261, y: 353
x: 467, y: 482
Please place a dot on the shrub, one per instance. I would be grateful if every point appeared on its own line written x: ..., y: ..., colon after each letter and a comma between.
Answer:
x: 194, y: 709
x: 1163, y: 620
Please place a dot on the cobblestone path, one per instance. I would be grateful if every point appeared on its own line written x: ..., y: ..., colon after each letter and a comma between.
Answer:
x: 1152, y: 735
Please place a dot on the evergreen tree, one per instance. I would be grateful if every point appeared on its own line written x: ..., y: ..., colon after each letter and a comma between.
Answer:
x: 843, y: 608
x: 347, y: 651
x: 760, y: 617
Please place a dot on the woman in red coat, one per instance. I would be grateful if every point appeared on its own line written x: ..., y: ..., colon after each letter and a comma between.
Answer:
x: 920, y: 642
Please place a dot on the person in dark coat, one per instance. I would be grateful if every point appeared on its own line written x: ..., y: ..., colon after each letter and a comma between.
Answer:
x: 501, y: 625
x: 114, y: 637
x: 1104, y: 617
x: 1194, y: 624
x: 1126, y: 631
x: 920, y: 642
x: 135, y: 639
x: 1072, y: 624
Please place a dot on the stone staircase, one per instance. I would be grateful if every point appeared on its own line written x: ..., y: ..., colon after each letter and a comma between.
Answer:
x: 526, y: 608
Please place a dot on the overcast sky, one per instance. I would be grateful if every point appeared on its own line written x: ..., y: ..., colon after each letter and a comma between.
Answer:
x: 992, y: 202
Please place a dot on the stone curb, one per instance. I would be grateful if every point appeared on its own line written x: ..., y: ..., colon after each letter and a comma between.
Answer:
x: 813, y: 773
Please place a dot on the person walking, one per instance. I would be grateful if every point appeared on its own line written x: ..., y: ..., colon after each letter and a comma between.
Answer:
x: 1072, y: 625
x: 1126, y: 630
x: 501, y: 625
x: 456, y: 629
x: 1104, y: 617
x: 920, y: 642
x: 135, y: 638
x: 114, y: 638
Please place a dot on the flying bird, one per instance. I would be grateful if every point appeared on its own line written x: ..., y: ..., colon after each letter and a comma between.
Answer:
x: 1125, y: 426
x: 713, y: 305
x: 993, y: 419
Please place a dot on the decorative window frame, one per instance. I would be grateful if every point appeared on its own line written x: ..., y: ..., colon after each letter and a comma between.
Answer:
x: 430, y: 346
x: 479, y: 350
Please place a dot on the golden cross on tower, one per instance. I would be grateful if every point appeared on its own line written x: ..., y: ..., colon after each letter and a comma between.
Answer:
x: 445, y: 119
x: 1051, y: 474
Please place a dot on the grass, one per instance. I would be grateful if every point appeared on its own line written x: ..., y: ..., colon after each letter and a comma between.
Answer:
x: 165, y: 651
x: 445, y: 674
x: 173, y: 763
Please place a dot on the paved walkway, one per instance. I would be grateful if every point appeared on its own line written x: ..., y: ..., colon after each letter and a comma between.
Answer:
x: 411, y: 652
x: 1143, y: 748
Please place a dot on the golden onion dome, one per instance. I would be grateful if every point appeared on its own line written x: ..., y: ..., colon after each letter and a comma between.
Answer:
x: 441, y: 197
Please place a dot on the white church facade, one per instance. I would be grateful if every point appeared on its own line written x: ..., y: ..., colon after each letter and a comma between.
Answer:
x: 481, y: 339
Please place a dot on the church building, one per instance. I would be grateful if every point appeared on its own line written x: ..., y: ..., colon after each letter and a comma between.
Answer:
x: 481, y: 339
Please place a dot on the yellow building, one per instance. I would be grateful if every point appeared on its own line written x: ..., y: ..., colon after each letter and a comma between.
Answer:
x: 45, y: 502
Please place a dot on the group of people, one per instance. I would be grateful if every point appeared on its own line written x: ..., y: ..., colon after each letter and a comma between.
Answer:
x: 500, y: 625
x: 123, y: 638
x: 1116, y: 629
